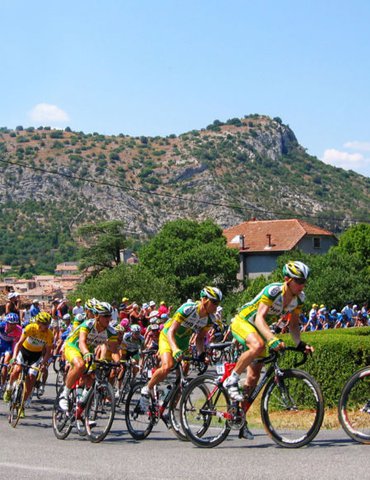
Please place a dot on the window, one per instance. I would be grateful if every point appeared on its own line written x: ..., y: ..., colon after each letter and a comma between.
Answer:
x: 316, y: 242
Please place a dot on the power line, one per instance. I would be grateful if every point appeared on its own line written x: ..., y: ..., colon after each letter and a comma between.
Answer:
x: 252, y: 208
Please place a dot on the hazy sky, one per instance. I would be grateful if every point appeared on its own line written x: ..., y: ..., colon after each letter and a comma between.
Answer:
x: 156, y: 67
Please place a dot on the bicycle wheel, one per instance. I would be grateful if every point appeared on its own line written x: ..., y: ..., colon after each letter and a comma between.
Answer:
x: 59, y: 382
x: 354, y: 406
x: 204, y: 411
x: 174, y: 414
x: 99, y: 412
x: 292, y: 409
x: 61, y: 420
x: 16, y: 403
x: 139, y: 422
x: 125, y: 387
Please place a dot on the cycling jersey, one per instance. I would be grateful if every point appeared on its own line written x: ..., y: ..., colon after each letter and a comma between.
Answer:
x: 189, y: 319
x: 271, y: 295
x: 9, y: 339
x: 131, y: 343
x: 94, y: 338
x: 36, y: 340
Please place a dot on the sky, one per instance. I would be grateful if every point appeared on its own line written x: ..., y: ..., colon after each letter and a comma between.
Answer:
x: 158, y: 67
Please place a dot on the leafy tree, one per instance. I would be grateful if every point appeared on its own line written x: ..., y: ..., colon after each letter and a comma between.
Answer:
x: 356, y: 241
x: 190, y: 255
x: 104, y: 241
x: 132, y: 281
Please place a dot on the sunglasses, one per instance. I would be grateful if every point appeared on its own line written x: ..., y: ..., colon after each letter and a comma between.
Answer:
x: 300, y: 281
x: 106, y: 315
x: 215, y: 302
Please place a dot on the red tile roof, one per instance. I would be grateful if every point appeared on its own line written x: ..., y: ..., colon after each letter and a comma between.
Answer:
x: 285, y: 234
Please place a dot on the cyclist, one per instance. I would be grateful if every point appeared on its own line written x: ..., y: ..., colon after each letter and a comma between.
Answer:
x: 33, y: 348
x: 250, y: 328
x: 83, y: 341
x: 174, y: 338
x: 10, y: 333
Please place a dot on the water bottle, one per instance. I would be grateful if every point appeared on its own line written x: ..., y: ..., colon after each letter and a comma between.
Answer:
x: 84, y: 396
x: 167, y: 393
x: 79, y: 394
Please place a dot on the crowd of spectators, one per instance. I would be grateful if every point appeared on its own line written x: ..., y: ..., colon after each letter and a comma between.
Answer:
x: 320, y: 317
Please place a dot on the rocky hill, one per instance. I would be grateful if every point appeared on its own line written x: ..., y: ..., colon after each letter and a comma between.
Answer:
x: 53, y: 180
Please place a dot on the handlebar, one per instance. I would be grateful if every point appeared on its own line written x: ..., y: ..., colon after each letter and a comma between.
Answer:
x: 274, y: 355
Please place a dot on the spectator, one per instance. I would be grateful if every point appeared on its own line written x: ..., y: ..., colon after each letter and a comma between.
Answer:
x: 78, y: 308
x: 12, y: 305
x: 114, y: 320
x: 347, y: 312
x: 35, y: 308
x: 163, y: 308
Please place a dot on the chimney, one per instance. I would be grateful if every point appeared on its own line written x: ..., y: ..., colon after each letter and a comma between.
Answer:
x: 268, y: 235
x: 241, y: 241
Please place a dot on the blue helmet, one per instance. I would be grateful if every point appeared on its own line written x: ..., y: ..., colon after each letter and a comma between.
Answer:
x: 12, y: 318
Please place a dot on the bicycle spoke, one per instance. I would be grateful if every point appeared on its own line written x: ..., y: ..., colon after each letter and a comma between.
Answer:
x: 292, y: 409
x: 354, y: 407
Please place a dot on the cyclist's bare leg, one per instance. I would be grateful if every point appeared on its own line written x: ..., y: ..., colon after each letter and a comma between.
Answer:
x: 256, y: 347
x: 76, y: 371
x: 162, y: 372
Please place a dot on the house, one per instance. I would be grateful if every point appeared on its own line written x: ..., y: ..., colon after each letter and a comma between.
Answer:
x: 260, y: 242
x: 66, y: 268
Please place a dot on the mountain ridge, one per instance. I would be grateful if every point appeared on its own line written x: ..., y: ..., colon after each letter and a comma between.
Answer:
x: 229, y: 172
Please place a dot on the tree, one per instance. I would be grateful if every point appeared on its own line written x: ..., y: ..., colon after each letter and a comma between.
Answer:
x: 356, y: 241
x: 103, y: 242
x: 132, y: 281
x: 191, y: 255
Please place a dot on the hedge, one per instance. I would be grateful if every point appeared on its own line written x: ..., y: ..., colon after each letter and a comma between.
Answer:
x: 338, y: 354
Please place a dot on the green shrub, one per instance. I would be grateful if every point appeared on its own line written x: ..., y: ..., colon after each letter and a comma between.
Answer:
x: 338, y: 354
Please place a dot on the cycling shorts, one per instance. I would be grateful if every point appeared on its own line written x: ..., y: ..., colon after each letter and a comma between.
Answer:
x: 241, y: 329
x: 133, y: 354
x: 29, y: 358
x: 164, y: 344
x: 6, y: 347
x: 71, y: 353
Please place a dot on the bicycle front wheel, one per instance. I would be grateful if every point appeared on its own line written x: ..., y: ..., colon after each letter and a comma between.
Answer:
x: 139, y: 421
x: 354, y: 406
x: 61, y: 420
x: 174, y: 414
x: 292, y: 408
x: 204, y: 412
x: 16, y: 404
x: 99, y: 412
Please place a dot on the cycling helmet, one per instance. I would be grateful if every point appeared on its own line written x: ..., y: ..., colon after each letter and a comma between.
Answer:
x: 153, y: 314
x: 80, y: 317
x: 102, y: 308
x: 90, y: 304
x: 135, y: 328
x: 120, y: 328
x: 296, y: 270
x: 333, y: 312
x: 11, y: 318
x: 125, y: 323
x: 66, y: 317
x: 155, y: 326
x: 43, y: 317
x: 212, y: 293
x: 164, y: 316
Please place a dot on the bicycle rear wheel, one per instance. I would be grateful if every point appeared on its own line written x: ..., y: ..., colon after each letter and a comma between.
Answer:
x: 16, y: 403
x: 61, y: 420
x: 139, y: 422
x: 354, y: 406
x: 292, y: 409
x: 204, y: 411
x: 99, y: 412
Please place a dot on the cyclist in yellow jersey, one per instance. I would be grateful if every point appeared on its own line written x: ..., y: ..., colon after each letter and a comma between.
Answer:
x: 250, y: 327
x: 34, y: 348
x: 83, y: 341
x: 174, y: 339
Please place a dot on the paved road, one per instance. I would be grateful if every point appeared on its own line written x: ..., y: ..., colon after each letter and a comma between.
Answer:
x: 31, y: 451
